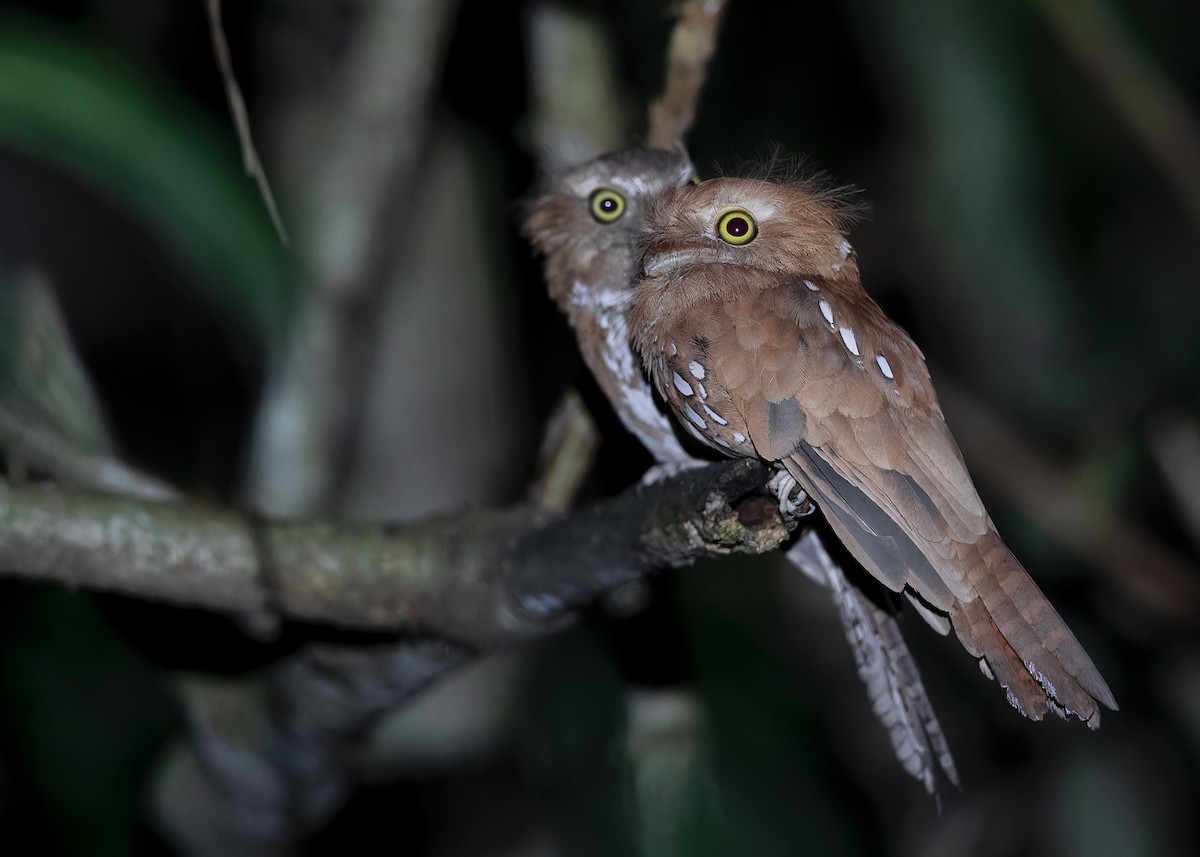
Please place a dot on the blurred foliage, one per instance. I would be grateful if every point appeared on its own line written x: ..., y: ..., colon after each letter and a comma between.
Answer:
x: 1020, y: 230
x: 83, y: 716
x: 83, y: 109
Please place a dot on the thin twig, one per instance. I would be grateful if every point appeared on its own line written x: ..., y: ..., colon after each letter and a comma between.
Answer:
x: 51, y: 420
x: 43, y: 449
x: 1056, y: 503
x: 568, y: 451
x: 693, y: 42
x: 1149, y: 102
x: 241, y: 118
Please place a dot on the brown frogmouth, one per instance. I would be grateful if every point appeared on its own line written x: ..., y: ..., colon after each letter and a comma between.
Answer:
x: 587, y: 221
x: 753, y: 323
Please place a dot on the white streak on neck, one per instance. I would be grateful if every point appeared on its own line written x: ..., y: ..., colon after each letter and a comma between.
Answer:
x: 637, y: 409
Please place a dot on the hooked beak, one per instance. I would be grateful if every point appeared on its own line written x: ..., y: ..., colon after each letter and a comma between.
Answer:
x: 664, y: 256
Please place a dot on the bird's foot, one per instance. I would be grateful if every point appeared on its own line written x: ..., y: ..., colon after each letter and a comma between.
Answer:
x: 793, y: 500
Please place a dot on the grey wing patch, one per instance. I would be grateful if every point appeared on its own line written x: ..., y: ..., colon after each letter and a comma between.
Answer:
x: 786, y: 426
x: 932, y: 512
x: 894, y: 687
x: 875, y: 539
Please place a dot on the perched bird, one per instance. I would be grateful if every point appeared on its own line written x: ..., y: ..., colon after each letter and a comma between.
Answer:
x: 587, y: 222
x: 752, y: 321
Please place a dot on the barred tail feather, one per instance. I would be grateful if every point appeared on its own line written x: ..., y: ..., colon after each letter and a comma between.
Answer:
x: 894, y: 688
x: 1025, y: 643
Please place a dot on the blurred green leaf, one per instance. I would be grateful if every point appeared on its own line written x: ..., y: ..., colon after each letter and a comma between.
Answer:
x: 87, y: 714
x: 153, y: 154
x: 776, y: 786
x: 572, y: 746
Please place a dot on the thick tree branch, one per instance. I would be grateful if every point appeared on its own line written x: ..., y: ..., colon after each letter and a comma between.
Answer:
x: 480, y: 577
x: 702, y: 512
x: 576, y: 108
x: 270, y: 759
x: 375, y: 121
x: 265, y: 768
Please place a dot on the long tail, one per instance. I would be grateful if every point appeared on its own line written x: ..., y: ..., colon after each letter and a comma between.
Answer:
x: 894, y: 688
x: 1023, y: 642
x: 1009, y: 625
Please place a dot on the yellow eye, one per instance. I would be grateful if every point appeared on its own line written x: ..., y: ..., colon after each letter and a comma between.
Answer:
x: 736, y: 226
x: 607, y: 205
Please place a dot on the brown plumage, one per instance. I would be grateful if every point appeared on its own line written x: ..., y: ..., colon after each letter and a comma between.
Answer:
x: 590, y: 264
x: 753, y: 323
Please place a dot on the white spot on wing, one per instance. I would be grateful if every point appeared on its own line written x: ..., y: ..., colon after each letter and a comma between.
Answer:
x: 697, y: 370
x: 674, y: 350
x: 837, y: 266
x: 703, y: 392
x: 682, y: 385
x: 811, y: 286
x: 845, y: 249
x: 722, y: 442
x: 827, y: 311
x: 884, y: 366
x: 848, y: 338
x: 715, y: 416
x: 739, y: 437
x: 695, y: 417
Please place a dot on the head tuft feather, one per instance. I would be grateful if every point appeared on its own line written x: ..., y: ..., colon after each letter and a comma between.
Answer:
x: 786, y: 168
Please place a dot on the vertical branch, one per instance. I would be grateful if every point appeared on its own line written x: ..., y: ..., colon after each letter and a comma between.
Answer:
x: 378, y: 123
x: 1153, y: 108
x: 1175, y: 442
x: 576, y: 108
x: 313, y: 709
x: 693, y: 43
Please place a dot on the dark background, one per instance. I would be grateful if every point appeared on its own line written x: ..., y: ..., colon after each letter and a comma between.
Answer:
x: 1042, y: 254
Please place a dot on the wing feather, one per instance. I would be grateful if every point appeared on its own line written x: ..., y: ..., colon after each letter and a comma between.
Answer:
x: 874, y: 450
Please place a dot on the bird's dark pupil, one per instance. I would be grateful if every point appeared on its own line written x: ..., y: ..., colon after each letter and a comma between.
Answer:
x: 737, y: 226
x: 608, y: 203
